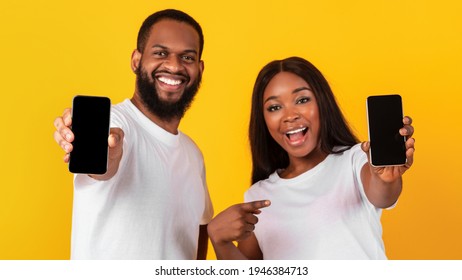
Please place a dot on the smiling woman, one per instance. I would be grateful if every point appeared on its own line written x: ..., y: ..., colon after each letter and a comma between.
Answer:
x: 52, y: 50
x: 295, y: 95
x: 292, y: 116
x: 321, y: 197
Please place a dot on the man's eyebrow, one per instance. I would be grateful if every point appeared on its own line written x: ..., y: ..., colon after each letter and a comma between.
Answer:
x: 166, y: 48
x: 159, y: 46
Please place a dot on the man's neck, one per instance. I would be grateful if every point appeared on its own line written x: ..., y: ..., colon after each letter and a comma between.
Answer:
x: 168, y: 125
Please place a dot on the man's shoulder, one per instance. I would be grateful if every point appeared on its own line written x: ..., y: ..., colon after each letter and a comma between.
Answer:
x: 188, y: 143
x: 187, y: 140
x: 121, y: 107
x: 122, y: 112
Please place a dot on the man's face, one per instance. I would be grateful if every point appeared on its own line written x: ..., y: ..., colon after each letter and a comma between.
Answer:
x: 169, y: 70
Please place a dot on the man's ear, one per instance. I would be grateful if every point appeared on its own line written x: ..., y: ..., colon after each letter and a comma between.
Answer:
x: 136, y: 58
x: 201, y: 66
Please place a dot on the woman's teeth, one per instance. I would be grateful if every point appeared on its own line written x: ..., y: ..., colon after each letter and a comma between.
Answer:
x: 296, y: 131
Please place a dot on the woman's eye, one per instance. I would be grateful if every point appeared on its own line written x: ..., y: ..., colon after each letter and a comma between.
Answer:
x: 303, y: 100
x: 273, y: 108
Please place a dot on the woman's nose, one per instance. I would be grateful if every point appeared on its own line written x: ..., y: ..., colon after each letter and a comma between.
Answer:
x: 291, y: 115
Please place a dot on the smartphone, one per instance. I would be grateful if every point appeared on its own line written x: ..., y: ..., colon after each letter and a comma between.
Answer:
x: 90, y: 125
x: 385, y: 119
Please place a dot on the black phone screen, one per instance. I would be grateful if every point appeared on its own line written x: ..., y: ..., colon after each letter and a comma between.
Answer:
x: 385, y: 119
x: 90, y: 125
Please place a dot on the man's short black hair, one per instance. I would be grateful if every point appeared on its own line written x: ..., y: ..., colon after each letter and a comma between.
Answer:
x: 172, y: 14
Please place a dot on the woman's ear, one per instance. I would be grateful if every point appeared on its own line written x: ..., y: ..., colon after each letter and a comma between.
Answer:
x: 135, y: 62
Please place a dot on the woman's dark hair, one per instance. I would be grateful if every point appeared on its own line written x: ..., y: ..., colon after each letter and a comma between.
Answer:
x: 267, y: 155
x: 145, y: 29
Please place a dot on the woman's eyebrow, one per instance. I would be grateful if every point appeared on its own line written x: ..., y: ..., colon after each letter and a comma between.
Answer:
x: 294, y: 91
x: 270, y: 98
x: 301, y: 89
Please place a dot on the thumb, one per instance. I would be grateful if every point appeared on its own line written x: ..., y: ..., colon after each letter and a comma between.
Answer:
x: 116, y: 137
x: 365, y: 146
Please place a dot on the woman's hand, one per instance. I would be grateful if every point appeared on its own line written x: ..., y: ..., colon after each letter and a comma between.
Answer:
x: 392, y: 173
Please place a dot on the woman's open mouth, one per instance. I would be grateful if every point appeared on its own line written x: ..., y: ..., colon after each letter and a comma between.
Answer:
x: 297, y: 136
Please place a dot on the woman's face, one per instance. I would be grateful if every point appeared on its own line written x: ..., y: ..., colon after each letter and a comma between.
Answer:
x: 291, y: 114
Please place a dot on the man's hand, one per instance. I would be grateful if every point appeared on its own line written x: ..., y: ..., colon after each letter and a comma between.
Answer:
x: 64, y: 137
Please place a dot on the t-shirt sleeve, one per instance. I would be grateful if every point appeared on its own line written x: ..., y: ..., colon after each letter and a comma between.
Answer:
x: 359, y: 158
x: 208, y: 209
x: 83, y: 180
x: 117, y: 119
x: 248, y: 195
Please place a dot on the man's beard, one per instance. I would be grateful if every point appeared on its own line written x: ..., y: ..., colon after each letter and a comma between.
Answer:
x: 165, y: 110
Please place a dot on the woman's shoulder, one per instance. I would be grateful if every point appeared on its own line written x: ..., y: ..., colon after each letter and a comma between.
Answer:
x: 353, y: 156
x: 349, y: 151
x: 272, y: 178
x: 261, y: 186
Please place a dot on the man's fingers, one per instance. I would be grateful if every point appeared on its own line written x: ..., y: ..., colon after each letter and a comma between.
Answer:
x: 255, y: 205
x: 67, y: 117
x: 62, y: 125
x: 67, y: 158
x: 63, y: 135
x: 66, y: 146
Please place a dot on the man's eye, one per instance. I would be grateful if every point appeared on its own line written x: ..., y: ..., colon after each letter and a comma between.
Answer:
x: 161, y: 54
x: 188, y: 58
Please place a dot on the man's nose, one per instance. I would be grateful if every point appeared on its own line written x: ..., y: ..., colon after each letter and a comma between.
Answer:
x: 173, y: 63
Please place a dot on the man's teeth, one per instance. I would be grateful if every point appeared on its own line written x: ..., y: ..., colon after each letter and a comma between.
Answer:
x: 170, y: 81
x: 296, y: 131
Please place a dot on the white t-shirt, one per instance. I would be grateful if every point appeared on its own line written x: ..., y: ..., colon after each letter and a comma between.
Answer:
x: 153, y: 206
x: 320, y: 214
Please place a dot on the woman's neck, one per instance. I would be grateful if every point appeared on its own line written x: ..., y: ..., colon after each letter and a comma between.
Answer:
x: 299, y: 165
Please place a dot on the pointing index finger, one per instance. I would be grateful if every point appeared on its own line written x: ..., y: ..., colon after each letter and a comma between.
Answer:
x: 255, y: 205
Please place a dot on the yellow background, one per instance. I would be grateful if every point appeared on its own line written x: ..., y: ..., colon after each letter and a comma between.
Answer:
x: 53, y: 50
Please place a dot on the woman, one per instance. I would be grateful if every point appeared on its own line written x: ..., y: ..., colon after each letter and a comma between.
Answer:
x: 326, y: 198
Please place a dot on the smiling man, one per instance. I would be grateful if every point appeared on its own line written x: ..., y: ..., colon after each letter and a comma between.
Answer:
x: 172, y: 71
x: 153, y: 201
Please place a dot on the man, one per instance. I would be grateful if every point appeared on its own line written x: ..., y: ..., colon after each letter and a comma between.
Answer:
x: 153, y: 201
